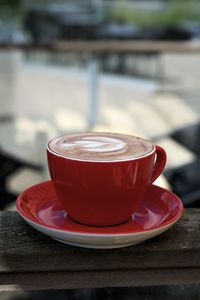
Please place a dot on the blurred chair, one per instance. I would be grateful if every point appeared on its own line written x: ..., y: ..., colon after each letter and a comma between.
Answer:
x: 185, y: 178
x: 189, y: 136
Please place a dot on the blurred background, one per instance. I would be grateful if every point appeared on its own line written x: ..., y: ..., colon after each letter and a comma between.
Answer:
x: 129, y: 66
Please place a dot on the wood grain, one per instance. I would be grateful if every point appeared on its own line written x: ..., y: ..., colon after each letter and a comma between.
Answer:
x: 98, y: 279
x: 31, y: 260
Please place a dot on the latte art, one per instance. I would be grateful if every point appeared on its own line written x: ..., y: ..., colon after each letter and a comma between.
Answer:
x: 100, y: 146
x: 96, y: 144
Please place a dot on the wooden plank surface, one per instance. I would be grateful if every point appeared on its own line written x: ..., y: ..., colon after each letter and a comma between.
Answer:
x: 110, y: 46
x: 30, y: 260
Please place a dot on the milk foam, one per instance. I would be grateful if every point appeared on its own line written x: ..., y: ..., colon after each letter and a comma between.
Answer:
x: 100, y: 146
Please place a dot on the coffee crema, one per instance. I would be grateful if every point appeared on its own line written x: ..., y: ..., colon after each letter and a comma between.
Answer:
x: 98, y: 146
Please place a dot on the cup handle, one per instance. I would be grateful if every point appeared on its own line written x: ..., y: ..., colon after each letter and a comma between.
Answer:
x: 160, y: 162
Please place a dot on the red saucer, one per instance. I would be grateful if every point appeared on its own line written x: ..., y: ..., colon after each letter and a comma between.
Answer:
x: 39, y: 205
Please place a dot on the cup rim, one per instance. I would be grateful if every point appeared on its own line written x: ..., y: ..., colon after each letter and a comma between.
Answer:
x: 100, y: 161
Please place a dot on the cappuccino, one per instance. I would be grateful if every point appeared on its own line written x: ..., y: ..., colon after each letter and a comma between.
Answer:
x: 97, y: 146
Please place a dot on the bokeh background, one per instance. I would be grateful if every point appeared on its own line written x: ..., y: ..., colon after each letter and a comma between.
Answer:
x: 129, y: 66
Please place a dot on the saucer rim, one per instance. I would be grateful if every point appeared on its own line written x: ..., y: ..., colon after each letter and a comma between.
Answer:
x: 76, y: 232
x: 101, y: 235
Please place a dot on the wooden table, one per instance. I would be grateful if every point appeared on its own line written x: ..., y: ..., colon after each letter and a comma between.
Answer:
x: 109, y: 46
x: 30, y: 260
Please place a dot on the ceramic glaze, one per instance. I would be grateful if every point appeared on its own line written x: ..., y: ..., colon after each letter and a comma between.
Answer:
x: 103, y: 193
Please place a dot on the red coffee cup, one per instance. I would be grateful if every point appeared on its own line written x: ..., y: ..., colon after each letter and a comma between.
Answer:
x: 103, y: 193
